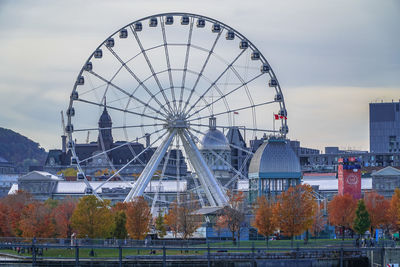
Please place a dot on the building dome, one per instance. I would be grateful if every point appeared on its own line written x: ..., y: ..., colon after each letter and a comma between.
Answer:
x: 215, y: 140
x: 275, y: 159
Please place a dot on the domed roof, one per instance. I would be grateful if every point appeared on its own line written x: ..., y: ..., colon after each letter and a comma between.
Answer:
x: 275, y: 159
x: 215, y: 140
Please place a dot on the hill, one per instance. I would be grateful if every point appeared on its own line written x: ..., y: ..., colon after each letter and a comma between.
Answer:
x: 20, y: 150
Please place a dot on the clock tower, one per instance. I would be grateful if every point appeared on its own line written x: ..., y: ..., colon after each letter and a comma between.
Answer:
x: 349, y: 177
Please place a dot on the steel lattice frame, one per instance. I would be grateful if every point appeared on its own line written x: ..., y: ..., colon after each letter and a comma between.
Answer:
x: 168, y: 89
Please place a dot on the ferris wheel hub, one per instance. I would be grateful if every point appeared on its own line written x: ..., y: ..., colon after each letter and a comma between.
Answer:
x: 177, y: 122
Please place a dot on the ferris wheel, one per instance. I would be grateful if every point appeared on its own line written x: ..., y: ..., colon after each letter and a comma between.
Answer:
x: 166, y: 81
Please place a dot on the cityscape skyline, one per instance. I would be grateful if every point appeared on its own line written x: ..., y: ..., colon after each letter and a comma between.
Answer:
x: 329, y: 68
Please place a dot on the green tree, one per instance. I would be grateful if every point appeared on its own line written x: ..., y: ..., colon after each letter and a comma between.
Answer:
x: 92, y: 218
x: 362, y: 221
x: 160, y: 225
x: 120, y: 231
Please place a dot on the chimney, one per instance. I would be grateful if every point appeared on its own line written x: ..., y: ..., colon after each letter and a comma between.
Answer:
x: 64, y: 143
x: 147, y: 139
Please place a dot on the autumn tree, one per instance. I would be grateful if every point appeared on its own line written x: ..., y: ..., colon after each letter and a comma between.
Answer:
x: 295, y: 210
x: 11, y: 210
x: 36, y: 220
x: 62, y: 215
x: 182, y: 218
x: 319, y: 221
x: 341, y: 211
x: 264, y: 219
x: 138, y: 218
x: 171, y: 218
x: 377, y: 207
x: 361, y: 221
x: 189, y: 221
x: 92, y: 218
x: 160, y: 225
x: 232, y: 216
x: 394, y: 211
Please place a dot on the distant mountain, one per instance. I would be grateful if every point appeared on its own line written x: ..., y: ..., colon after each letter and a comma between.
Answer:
x: 20, y: 150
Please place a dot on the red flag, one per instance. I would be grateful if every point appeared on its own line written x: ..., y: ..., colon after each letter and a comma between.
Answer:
x: 276, y: 116
x: 236, y: 113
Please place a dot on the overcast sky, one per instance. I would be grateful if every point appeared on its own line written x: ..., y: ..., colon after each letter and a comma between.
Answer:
x: 331, y: 58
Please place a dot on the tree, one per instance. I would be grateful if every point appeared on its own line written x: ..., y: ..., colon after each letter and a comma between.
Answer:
x: 295, y: 210
x: 62, y: 215
x: 36, y: 221
x: 120, y: 231
x: 12, y: 207
x: 189, y: 221
x: 361, y: 222
x: 160, y: 225
x: 233, y: 215
x: 171, y: 218
x: 341, y: 211
x: 264, y: 219
x: 318, y: 222
x: 182, y: 218
x: 377, y: 207
x: 394, y: 211
x: 138, y: 218
x: 92, y: 218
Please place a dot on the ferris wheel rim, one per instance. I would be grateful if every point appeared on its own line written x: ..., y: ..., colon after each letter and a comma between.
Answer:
x: 194, y: 16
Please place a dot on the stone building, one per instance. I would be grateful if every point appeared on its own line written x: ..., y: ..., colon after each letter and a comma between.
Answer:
x: 385, y: 181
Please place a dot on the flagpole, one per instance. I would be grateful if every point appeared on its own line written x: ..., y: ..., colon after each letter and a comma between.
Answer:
x: 273, y: 121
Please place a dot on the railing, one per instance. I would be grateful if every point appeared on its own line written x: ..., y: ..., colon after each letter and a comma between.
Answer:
x: 158, y: 252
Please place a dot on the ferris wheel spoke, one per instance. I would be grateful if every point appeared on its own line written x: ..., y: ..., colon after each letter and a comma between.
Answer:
x: 151, y: 167
x: 235, y: 110
x: 225, y: 95
x: 120, y: 109
x: 125, y: 92
x: 218, y: 156
x: 186, y: 63
x: 129, y: 162
x: 236, y: 127
x: 118, y: 127
x: 234, y: 178
x: 141, y: 84
x: 119, y: 146
x: 231, y: 145
x: 171, y: 83
x: 151, y: 68
x: 201, y: 71
x: 216, y: 80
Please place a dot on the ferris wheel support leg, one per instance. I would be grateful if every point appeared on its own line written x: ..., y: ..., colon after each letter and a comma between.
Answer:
x: 203, y: 170
x: 196, y: 167
x: 150, y: 169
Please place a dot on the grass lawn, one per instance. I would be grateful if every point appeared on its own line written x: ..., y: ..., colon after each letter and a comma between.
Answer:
x: 113, y: 252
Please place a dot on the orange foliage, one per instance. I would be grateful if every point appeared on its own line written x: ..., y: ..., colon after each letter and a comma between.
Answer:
x: 233, y: 216
x: 394, y: 211
x: 295, y: 210
x: 377, y: 207
x: 62, y: 215
x: 10, y: 212
x: 36, y: 221
x: 264, y: 219
x: 138, y: 218
x: 171, y: 218
x: 342, y: 211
